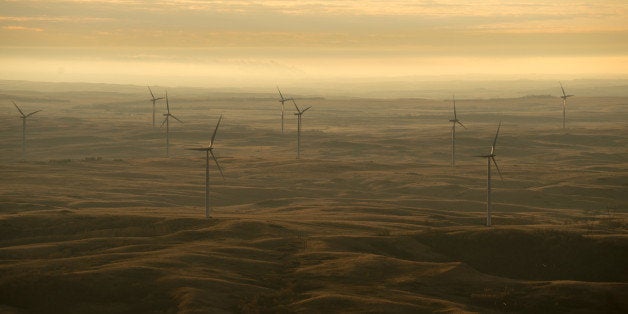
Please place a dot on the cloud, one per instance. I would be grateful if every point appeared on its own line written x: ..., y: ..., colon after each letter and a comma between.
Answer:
x: 22, y: 28
x: 54, y: 19
x: 432, y: 25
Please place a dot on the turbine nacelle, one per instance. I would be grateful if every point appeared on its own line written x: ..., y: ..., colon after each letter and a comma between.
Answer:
x: 455, y: 119
x: 152, y: 96
x: 454, y: 122
x: 299, y: 111
x: 210, y: 149
x: 492, y: 155
x: 153, y: 99
x: 283, y: 99
x: 168, y: 114
x: 564, y: 96
x: 22, y: 115
x: 283, y: 107
x: 30, y: 114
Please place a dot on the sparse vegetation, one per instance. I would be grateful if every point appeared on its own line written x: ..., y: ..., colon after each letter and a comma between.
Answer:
x: 88, y: 159
x: 536, y: 254
x: 375, y: 220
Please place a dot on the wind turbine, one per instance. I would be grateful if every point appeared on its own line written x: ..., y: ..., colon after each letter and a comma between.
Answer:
x: 24, y: 116
x: 154, y: 100
x: 299, y: 113
x: 564, y: 97
x: 167, y: 122
x: 454, y: 121
x: 282, y: 100
x: 491, y: 157
x: 209, y: 151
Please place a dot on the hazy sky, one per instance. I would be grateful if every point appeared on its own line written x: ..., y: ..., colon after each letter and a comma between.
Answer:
x: 186, y: 41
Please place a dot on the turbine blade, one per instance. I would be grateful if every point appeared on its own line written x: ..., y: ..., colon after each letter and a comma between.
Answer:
x: 163, y: 122
x: 280, y: 94
x: 176, y: 118
x: 32, y: 113
x: 295, y: 105
x: 496, y: 134
x: 18, y: 108
x: 217, y: 165
x: 462, y: 124
x: 151, y: 92
x: 304, y: 110
x: 201, y: 149
x: 211, y: 144
x: 496, y: 166
x: 159, y: 98
x: 167, y: 103
x: 454, y: 99
x: 561, y: 87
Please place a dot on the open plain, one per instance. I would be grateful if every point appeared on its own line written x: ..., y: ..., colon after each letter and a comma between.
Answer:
x: 372, y: 218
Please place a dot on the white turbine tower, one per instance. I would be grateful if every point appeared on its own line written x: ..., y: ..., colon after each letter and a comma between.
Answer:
x: 299, y: 113
x: 154, y: 100
x: 209, y: 150
x: 282, y: 100
x: 564, y: 97
x: 167, y: 122
x: 491, y: 157
x: 454, y: 121
x: 24, y: 116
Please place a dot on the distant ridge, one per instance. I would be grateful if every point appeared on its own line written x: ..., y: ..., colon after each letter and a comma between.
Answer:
x: 384, y: 88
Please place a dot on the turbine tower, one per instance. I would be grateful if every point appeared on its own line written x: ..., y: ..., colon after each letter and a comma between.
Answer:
x: 282, y: 100
x: 564, y: 97
x: 491, y: 157
x: 299, y: 113
x: 24, y: 116
x: 154, y: 100
x: 454, y: 121
x: 209, y: 150
x: 167, y: 122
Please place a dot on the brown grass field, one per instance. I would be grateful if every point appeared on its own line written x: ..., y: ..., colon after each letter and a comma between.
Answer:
x: 372, y: 219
